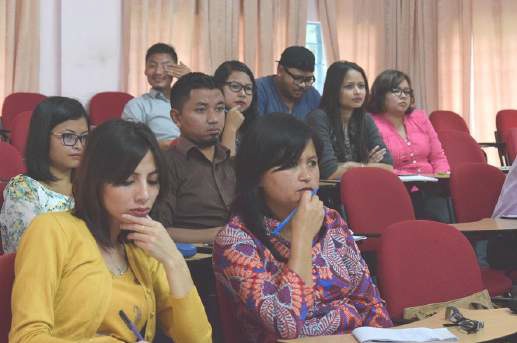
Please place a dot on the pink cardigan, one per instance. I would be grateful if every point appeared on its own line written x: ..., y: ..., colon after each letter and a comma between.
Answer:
x: 422, y: 153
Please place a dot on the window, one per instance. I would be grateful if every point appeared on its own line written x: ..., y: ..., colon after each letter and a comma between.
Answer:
x: 314, y: 42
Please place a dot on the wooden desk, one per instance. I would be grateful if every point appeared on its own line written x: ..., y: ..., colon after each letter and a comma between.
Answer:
x: 498, y: 323
x: 487, y: 224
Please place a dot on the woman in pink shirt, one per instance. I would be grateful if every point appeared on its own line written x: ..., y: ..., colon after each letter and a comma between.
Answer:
x: 406, y: 131
x: 410, y: 139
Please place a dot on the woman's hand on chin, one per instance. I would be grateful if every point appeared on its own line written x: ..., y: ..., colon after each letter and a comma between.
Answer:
x: 152, y: 237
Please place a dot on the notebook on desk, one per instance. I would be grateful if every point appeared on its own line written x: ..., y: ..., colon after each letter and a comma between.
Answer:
x: 415, y: 177
x: 371, y: 334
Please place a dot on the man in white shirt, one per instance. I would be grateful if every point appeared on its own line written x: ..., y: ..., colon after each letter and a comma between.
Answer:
x: 153, y: 108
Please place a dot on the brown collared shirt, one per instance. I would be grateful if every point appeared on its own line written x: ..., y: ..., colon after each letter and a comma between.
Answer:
x: 201, y: 191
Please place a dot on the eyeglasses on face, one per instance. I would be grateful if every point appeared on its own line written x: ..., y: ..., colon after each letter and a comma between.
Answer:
x: 301, y: 80
x: 236, y: 87
x: 398, y: 92
x: 70, y: 139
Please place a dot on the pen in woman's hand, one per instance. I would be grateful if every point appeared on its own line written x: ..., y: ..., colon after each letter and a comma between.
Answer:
x: 130, y: 325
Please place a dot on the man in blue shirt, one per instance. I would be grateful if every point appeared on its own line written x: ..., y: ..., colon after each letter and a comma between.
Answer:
x: 290, y: 90
x: 153, y: 108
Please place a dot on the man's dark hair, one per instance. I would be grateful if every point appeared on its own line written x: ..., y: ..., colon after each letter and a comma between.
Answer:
x: 46, y: 116
x: 298, y: 57
x: 161, y: 48
x: 180, y: 91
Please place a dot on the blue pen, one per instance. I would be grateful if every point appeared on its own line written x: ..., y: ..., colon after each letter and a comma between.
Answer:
x: 130, y: 325
x: 280, y: 227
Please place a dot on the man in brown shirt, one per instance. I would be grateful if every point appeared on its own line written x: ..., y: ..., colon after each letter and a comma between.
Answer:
x: 202, y: 175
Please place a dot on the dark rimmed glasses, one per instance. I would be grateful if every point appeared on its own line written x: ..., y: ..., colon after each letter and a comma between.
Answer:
x: 237, y: 87
x: 301, y: 80
x: 70, y: 139
x: 398, y: 92
x: 453, y: 315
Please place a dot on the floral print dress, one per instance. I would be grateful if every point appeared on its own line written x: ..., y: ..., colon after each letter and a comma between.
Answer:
x: 25, y: 198
x: 273, y: 302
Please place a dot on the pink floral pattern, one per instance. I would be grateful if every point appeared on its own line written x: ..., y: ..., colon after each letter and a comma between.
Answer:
x: 273, y: 302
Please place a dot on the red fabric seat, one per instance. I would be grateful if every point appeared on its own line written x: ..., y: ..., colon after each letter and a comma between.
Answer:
x: 20, y: 131
x: 510, y: 139
x: 6, y: 287
x: 504, y: 121
x: 448, y: 120
x: 16, y: 103
x: 475, y: 188
x: 422, y: 262
x: 107, y: 105
x: 460, y: 147
x: 373, y: 199
x: 227, y: 315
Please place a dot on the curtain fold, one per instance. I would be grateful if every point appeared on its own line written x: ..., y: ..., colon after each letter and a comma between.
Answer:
x: 19, y: 46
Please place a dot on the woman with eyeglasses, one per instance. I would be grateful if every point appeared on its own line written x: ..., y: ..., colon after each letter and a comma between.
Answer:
x: 240, y: 96
x: 349, y: 135
x: 407, y: 132
x: 410, y: 138
x: 57, y: 135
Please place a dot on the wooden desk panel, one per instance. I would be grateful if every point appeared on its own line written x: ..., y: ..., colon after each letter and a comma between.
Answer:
x: 498, y: 323
x: 487, y: 224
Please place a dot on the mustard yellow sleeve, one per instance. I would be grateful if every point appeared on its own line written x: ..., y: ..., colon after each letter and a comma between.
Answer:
x: 183, y: 319
x: 39, y: 264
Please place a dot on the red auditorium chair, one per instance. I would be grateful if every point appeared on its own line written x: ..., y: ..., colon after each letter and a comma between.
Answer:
x: 510, y: 139
x: 20, y: 131
x: 504, y: 121
x: 448, y: 120
x: 460, y: 148
x: 475, y: 189
x: 373, y: 199
x: 12, y: 165
x: 107, y: 105
x: 6, y: 287
x: 227, y: 315
x: 423, y: 262
x: 16, y: 103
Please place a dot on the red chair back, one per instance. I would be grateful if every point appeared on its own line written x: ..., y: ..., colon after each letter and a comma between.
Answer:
x: 373, y: 199
x: 12, y: 162
x: 20, y: 131
x: 107, y: 105
x: 227, y: 316
x: 448, y: 120
x: 475, y: 189
x: 460, y: 148
x: 16, y: 103
x: 6, y: 287
x: 504, y: 120
x: 422, y: 262
x: 510, y: 139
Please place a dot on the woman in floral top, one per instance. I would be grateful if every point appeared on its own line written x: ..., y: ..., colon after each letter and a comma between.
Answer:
x: 57, y: 134
x: 310, y: 280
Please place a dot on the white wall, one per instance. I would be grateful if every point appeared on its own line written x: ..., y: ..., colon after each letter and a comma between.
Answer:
x: 80, y: 47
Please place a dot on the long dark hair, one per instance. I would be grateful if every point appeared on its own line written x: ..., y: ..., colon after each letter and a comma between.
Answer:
x: 113, y: 152
x: 384, y: 83
x: 329, y: 103
x: 274, y: 140
x: 46, y: 116
x: 221, y: 75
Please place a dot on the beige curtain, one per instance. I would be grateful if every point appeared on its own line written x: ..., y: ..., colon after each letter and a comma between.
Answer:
x: 206, y: 33
x: 19, y: 46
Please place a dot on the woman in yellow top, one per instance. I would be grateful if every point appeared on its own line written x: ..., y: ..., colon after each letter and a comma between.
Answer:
x: 76, y: 270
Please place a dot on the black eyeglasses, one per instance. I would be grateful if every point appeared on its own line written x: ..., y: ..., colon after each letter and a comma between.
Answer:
x: 301, y: 80
x: 70, y: 139
x: 236, y: 87
x: 398, y: 92
x: 454, y: 315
